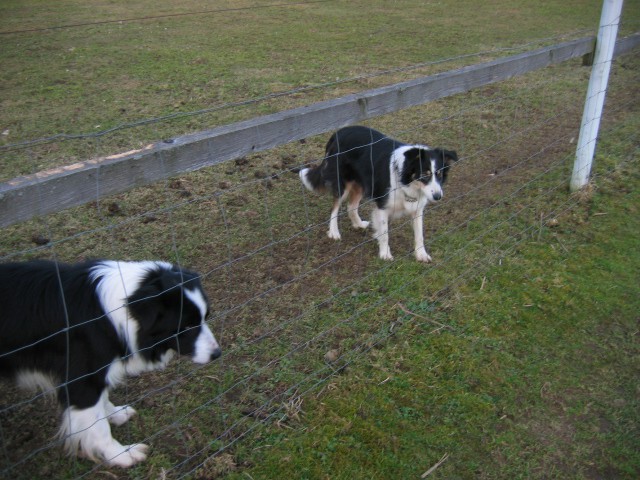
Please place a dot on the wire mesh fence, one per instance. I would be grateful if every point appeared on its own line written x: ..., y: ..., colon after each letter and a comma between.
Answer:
x: 292, y: 308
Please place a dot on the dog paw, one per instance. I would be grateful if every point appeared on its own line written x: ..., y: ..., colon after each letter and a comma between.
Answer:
x: 386, y: 254
x: 333, y: 235
x: 121, y: 415
x: 362, y: 225
x: 423, y: 256
x: 129, y: 456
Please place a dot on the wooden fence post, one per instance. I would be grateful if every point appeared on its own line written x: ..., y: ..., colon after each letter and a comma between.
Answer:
x: 596, y: 92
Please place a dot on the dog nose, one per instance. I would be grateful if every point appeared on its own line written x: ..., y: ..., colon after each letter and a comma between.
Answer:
x: 437, y: 196
x: 216, y: 353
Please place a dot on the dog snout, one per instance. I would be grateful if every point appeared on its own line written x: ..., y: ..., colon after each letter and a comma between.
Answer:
x: 203, y: 357
x: 206, y: 346
x: 437, y: 196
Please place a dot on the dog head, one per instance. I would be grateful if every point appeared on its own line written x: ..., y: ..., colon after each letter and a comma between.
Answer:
x: 165, y: 311
x: 427, y: 169
x: 171, y: 308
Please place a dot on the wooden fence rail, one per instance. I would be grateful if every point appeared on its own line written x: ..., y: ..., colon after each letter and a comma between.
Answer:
x: 53, y: 190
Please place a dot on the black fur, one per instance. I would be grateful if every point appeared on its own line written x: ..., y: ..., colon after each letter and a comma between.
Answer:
x: 69, y: 324
x: 155, y: 304
x: 361, y: 155
x: 402, y: 179
x: 38, y: 301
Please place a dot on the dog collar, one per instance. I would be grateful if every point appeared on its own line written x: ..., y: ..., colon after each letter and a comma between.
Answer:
x: 408, y: 198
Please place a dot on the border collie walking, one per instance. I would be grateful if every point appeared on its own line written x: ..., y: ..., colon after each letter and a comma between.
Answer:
x: 402, y: 179
x: 79, y: 330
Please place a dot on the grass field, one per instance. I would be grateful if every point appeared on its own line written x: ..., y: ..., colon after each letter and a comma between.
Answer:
x: 514, y: 355
x: 86, y: 80
x: 535, y: 375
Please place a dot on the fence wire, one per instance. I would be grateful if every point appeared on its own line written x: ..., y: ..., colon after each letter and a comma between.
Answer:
x: 282, y: 294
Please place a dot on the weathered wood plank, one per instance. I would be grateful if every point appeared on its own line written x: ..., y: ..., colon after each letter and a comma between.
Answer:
x: 626, y: 44
x: 54, y: 190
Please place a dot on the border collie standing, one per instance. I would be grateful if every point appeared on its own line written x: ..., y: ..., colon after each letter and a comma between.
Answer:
x: 81, y: 329
x: 402, y: 179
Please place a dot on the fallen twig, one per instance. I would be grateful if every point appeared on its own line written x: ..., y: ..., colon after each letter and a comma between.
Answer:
x: 405, y: 310
x: 432, y: 469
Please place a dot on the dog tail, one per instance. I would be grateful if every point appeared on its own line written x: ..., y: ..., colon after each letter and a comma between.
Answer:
x: 312, y: 178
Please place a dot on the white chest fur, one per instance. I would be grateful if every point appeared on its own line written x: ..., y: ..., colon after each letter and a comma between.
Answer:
x: 405, y: 201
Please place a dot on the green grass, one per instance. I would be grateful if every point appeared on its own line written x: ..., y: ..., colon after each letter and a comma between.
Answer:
x: 520, y: 385
x: 85, y: 80
x: 534, y: 374
x: 536, y: 377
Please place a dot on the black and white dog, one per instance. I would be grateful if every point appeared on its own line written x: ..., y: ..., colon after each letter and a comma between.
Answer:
x: 402, y: 179
x: 79, y: 330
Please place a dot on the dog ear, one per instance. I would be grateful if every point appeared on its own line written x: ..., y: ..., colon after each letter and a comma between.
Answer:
x: 413, y: 154
x: 412, y: 166
x: 169, y: 280
x: 449, y: 156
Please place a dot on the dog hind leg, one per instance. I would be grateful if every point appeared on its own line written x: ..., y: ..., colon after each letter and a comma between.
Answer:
x: 334, y: 232
x: 354, y: 203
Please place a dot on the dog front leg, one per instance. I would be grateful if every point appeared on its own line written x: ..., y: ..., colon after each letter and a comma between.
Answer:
x: 380, y: 221
x: 118, y: 415
x: 86, y: 432
x: 418, y: 236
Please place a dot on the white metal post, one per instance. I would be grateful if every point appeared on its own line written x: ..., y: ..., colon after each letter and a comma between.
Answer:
x: 605, y: 44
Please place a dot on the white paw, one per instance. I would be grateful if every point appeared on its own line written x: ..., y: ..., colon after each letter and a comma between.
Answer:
x: 423, y: 256
x: 121, y: 415
x: 334, y: 235
x: 385, y: 254
x: 128, y: 456
x: 362, y: 225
